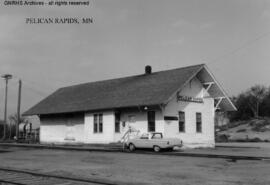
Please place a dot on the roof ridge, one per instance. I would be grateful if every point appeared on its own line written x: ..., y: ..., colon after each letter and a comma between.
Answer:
x: 125, y: 77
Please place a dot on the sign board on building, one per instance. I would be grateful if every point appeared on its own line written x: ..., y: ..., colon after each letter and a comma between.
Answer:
x: 170, y: 118
x: 189, y: 99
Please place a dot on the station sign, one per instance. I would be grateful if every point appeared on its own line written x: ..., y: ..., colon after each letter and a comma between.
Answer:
x: 189, y: 99
x: 170, y: 118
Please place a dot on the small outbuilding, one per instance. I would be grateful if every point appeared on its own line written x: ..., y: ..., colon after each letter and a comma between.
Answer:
x: 179, y: 103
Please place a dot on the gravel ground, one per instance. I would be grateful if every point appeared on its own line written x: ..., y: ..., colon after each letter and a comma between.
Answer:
x: 141, y: 168
x: 236, y: 149
x: 261, y: 145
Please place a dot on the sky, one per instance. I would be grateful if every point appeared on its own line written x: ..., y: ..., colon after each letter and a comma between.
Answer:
x: 231, y: 36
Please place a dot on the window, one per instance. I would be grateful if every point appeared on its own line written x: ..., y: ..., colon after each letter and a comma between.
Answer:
x: 151, y: 121
x: 95, y: 123
x: 181, y: 121
x: 98, y: 123
x: 117, y: 122
x: 100, y: 127
x: 198, y: 122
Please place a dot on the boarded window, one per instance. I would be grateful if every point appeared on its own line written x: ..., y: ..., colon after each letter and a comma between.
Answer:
x: 151, y: 121
x: 181, y: 121
x: 98, y: 123
x: 117, y: 122
x: 198, y: 122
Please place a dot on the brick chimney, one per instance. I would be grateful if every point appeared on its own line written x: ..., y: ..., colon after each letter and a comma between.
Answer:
x: 148, y: 70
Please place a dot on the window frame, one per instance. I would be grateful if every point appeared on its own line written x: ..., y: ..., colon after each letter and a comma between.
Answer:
x: 155, y: 134
x: 95, y: 123
x: 183, y: 122
x: 198, y: 122
x: 98, y: 123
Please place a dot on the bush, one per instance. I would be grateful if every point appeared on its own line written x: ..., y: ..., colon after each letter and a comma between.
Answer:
x: 222, y: 138
x: 236, y: 123
x: 255, y: 140
x: 260, y: 125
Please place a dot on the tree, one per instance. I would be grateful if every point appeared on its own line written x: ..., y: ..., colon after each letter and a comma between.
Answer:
x: 2, y: 123
x: 255, y: 96
x: 244, y: 111
x: 265, y: 105
x: 13, y: 120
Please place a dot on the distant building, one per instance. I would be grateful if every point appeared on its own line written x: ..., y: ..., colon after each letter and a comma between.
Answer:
x: 179, y: 103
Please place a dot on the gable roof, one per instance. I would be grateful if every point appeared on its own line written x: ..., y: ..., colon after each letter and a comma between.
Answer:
x: 134, y: 91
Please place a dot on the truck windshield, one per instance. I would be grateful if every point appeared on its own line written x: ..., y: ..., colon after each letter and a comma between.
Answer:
x: 145, y: 136
x: 157, y: 136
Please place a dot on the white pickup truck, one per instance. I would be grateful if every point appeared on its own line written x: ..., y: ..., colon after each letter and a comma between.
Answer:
x: 153, y: 140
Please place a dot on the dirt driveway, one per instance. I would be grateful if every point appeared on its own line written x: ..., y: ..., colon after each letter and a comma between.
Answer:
x: 139, y: 168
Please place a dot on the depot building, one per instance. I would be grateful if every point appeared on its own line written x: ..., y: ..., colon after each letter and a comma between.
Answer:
x: 180, y: 103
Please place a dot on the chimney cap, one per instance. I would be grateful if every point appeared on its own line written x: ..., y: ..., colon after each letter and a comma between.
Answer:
x: 148, y: 69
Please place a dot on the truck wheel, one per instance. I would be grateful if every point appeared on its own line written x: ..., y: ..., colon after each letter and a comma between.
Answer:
x: 169, y: 149
x: 131, y: 147
x: 156, y: 148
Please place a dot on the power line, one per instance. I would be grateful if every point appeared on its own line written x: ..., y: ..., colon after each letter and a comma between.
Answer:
x: 25, y: 85
x: 36, y: 83
x: 217, y: 60
x: 29, y: 87
x: 30, y: 84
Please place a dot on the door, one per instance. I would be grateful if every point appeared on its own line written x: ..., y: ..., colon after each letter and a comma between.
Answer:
x: 151, y: 117
x: 69, y: 131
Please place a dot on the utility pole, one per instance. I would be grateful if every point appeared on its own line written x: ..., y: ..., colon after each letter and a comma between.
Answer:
x: 18, y: 109
x: 6, y: 77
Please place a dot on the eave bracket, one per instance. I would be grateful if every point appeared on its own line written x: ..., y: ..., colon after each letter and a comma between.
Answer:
x: 219, y: 99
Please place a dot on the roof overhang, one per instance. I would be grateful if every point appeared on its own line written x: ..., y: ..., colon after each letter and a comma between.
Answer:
x: 214, y: 89
x: 141, y: 108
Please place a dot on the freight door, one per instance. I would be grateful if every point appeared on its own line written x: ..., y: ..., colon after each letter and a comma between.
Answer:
x: 69, y: 131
